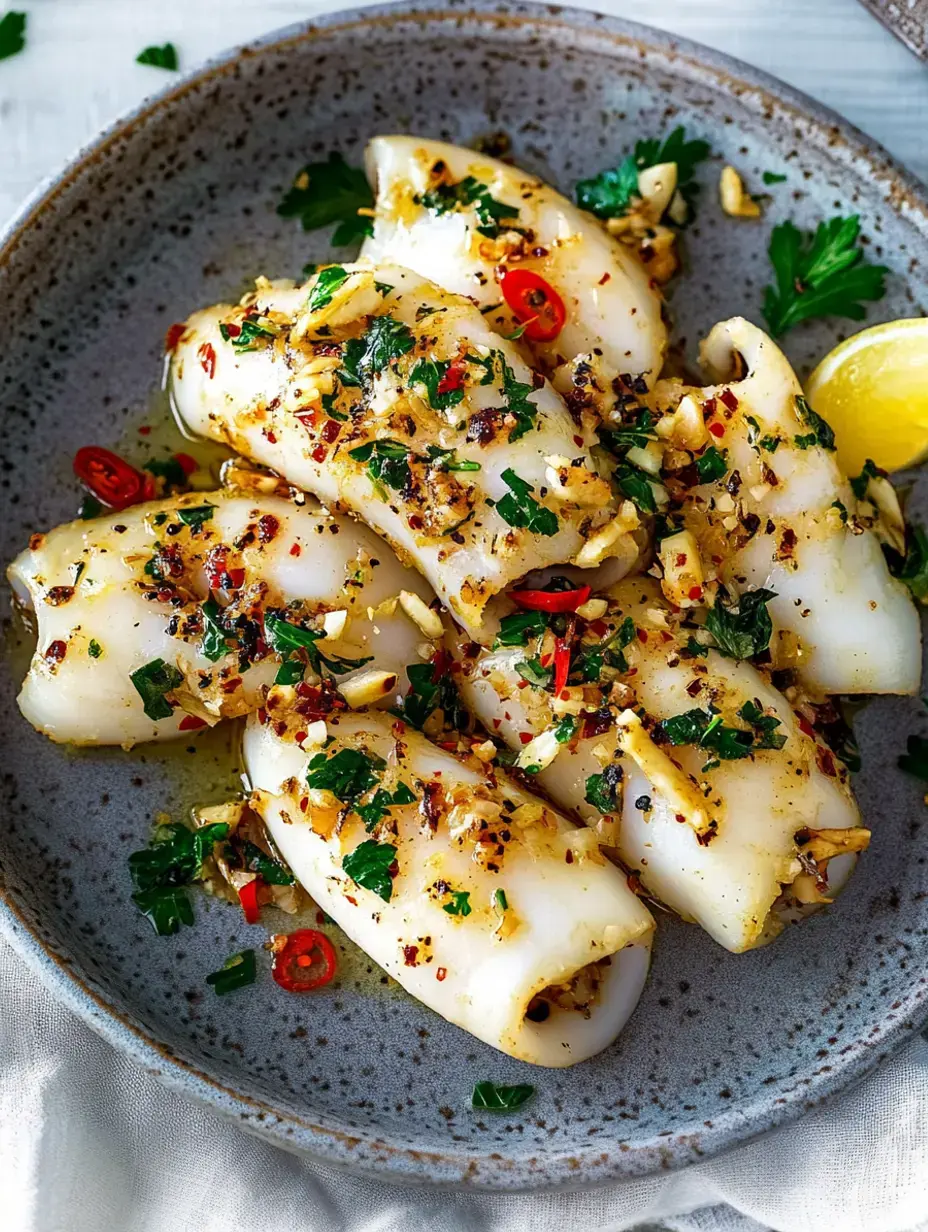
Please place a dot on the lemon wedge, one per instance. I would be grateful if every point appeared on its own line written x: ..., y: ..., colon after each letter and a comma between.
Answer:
x: 873, y: 391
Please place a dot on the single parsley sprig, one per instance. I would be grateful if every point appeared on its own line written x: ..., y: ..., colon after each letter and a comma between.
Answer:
x: 12, y: 34
x: 610, y: 194
x: 329, y: 192
x: 818, y: 275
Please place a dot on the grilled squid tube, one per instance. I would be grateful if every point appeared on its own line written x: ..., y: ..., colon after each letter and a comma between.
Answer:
x: 170, y: 616
x: 395, y: 401
x: 731, y: 833
x: 489, y: 231
x: 780, y: 515
x: 482, y: 901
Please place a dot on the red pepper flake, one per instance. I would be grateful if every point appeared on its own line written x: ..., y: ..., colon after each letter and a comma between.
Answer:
x: 268, y: 526
x: 229, y: 686
x: 578, y: 441
x: 642, y: 635
x: 207, y: 357
x: 173, y: 337
x: 248, y: 897
x: 453, y: 378
x: 300, y: 737
x: 561, y: 665
x: 191, y: 722
x: 569, y: 856
x: 415, y: 522
x: 270, y: 436
x: 440, y: 974
x: 729, y: 399
x: 605, y: 278
x: 598, y: 627
x: 525, y: 737
x: 187, y: 464
x: 410, y: 955
x: 709, y: 407
x: 145, y: 430
x: 295, y: 549
x: 319, y: 453
x: 330, y: 430
x: 717, y: 429
x: 826, y: 763
x: 262, y: 715
x: 304, y: 805
x: 233, y: 329
x: 694, y: 592
x: 806, y: 727
x: 56, y: 652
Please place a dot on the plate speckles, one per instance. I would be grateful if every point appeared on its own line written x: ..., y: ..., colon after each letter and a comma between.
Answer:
x: 174, y: 208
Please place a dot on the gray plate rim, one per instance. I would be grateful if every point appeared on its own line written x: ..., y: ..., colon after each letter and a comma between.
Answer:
x: 907, y: 196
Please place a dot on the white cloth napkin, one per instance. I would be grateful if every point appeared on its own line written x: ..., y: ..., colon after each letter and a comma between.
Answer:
x: 90, y: 1143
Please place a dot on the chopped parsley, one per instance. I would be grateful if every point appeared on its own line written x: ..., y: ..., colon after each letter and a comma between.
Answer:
x: 537, y: 676
x: 744, y: 630
x: 363, y: 358
x: 765, y: 726
x: 712, y: 465
x: 153, y: 682
x: 94, y: 649
x: 591, y: 659
x: 164, y: 56
x: 213, y: 643
x: 519, y: 509
x: 251, y: 336
x: 861, y: 482
x: 772, y: 177
x: 331, y: 192
x: 447, y: 460
x: 12, y: 34
x: 914, y: 569
x: 636, y: 485
x: 493, y: 217
x: 602, y: 790
x: 369, y: 866
x: 285, y: 638
x: 612, y: 193
x: 387, y: 462
x: 915, y: 760
x: 426, y: 695
x: 252, y: 859
x: 431, y: 373
x: 704, y: 728
x: 347, y: 774
x: 90, y: 506
x: 196, y: 516
x: 460, y: 903
x: 238, y: 971
x: 325, y: 286
x: 168, y: 469
x: 500, y: 899
x: 516, y: 394
x: 819, y: 275
x: 632, y: 435
x: 490, y: 1097
x: 565, y: 728
x: 821, y: 433
x: 160, y: 872
x: 381, y: 802
x: 519, y: 628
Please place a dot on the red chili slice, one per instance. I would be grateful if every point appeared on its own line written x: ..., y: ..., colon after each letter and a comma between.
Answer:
x: 111, y: 480
x: 248, y: 897
x: 534, y: 302
x: 305, y: 961
x: 173, y: 336
x: 551, y: 600
x: 561, y: 665
x: 453, y: 378
x: 207, y: 357
x: 191, y: 722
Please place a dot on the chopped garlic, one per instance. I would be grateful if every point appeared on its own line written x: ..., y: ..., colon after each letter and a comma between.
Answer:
x: 656, y: 187
x: 686, y: 427
x: 334, y: 623
x: 596, y: 548
x: 665, y: 776
x: 540, y: 752
x: 368, y: 688
x: 683, y: 571
x: 421, y: 614
x: 577, y: 484
x: 485, y: 751
x: 356, y: 297
x: 316, y: 734
x: 593, y: 609
x: 648, y: 457
x: 735, y: 201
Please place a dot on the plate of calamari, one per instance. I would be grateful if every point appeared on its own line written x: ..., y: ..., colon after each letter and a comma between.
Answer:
x: 475, y: 678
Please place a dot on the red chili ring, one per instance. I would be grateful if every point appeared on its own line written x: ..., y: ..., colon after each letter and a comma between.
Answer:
x: 304, y: 962
x: 111, y: 480
x: 535, y: 302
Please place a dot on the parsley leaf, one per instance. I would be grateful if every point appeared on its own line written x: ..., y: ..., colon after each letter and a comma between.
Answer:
x: 368, y: 866
x: 173, y: 860
x: 516, y: 393
x: 12, y: 34
x: 519, y: 509
x: 493, y: 216
x: 704, y: 729
x: 166, y: 910
x: 362, y: 358
x: 254, y: 860
x: 489, y: 1097
x: 636, y: 434
x: 771, y: 177
x: 635, y: 484
x: 238, y: 971
x: 152, y: 682
x: 95, y: 650
x: 159, y: 57
x: 914, y: 571
x: 519, y: 628
x: 447, y: 460
x: 915, y: 760
x: 251, y: 334
x: 387, y: 462
x: 196, y: 516
x: 861, y: 482
x: 821, y: 433
x: 602, y: 790
x: 213, y: 645
x: 819, y: 275
x: 460, y: 903
x: 327, y: 283
x: 537, y: 676
x: 284, y: 638
x: 744, y: 630
x: 382, y: 801
x: 329, y: 192
x: 431, y: 373
x: 611, y: 193
x: 426, y: 695
x: 712, y: 465
x: 765, y: 725
x: 347, y: 774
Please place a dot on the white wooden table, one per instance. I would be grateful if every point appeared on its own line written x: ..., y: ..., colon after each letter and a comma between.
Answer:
x: 78, y: 71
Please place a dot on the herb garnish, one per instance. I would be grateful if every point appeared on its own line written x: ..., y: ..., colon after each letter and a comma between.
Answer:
x: 490, y: 1097
x: 636, y: 485
x: 387, y: 462
x: 704, y: 728
x: 329, y: 192
x: 94, y: 649
x: 712, y: 465
x: 914, y: 569
x: 251, y: 334
x: 519, y: 628
x: 602, y: 790
x: 284, y: 638
x: 516, y: 394
x: 347, y: 774
x: 159, y: 57
x: 500, y: 899
x: 744, y: 630
x: 519, y: 509
x: 250, y: 857
x: 861, y: 482
x: 368, y: 866
x: 819, y: 275
x: 772, y: 177
x: 173, y: 860
x: 821, y: 433
x: 611, y: 193
x: 238, y: 971
x: 325, y: 286
x: 431, y: 373
x: 426, y: 695
x: 152, y: 682
x: 381, y: 802
x: 213, y: 644
x: 447, y: 460
x: 493, y: 216
x: 12, y: 34
x: 196, y: 516
x: 362, y: 358
x: 460, y: 903
x: 632, y: 435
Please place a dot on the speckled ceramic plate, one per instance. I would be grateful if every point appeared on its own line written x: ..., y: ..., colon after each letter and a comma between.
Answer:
x: 175, y: 208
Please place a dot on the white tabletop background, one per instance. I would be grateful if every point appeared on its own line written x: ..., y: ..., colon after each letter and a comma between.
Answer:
x: 76, y: 1123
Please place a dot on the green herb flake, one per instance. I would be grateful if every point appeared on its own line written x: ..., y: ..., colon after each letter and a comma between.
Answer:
x: 387, y: 462
x: 254, y: 860
x: 712, y: 465
x: 516, y: 394
x: 164, y: 56
x: 238, y: 971
x: 12, y: 34
x: 765, y: 726
x: 491, y: 1097
x: 612, y: 193
x: 195, y: 517
x: 368, y: 866
x: 431, y: 373
x: 500, y: 899
x: 152, y: 682
x: 378, y: 807
x: 347, y: 774
x: 861, y: 482
x: 565, y: 729
x: 821, y: 433
x: 173, y: 860
x: 915, y: 760
x: 519, y: 509
x: 325, y: 286
x: 537, y: 676
x: 493, y: 217
x: 772, y: 177
x: 744, y: 630
x: 251, y: 336
x: 90, y: 506
x: 819, y: 275
x: 166, y: 910
x: 635, y: 484
x: 460, y: 903
x: 704, y: 728
x: 95, y: 650
x: 914, y: 569
x: 427, y: 695
x: 331, y: 192
x: 602, y: 790
x: 213, y: 643
x: 519, y: 628
x: 363, y: 358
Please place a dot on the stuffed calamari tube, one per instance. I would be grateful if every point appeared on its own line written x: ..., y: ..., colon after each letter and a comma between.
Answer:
x: 520, y: 250
x: 761, y: 505
x: 482, y: 901
x: 170, y: 616
x: 713, y: 791
x: 395, y: 401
